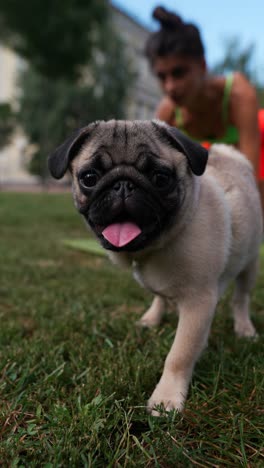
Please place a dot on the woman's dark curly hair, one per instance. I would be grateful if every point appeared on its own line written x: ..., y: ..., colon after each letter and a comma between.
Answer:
x: 174, y: 37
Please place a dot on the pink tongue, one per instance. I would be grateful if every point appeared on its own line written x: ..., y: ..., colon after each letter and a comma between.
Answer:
x: 120, y: 234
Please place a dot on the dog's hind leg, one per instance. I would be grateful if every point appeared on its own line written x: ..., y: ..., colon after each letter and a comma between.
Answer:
x: 241, y: 300
x: 154, y: 314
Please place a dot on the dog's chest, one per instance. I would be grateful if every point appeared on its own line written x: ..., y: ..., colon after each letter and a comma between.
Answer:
x: 159, y: 277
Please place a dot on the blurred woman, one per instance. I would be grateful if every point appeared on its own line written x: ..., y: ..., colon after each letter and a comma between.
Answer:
x: 207, y: 108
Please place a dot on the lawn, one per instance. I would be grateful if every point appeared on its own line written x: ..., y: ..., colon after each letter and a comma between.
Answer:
x: 76, y: 372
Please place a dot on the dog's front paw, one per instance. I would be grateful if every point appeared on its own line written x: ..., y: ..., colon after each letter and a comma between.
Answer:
x: 166, y: 397
x: 150, y: 319
x: 148, y: 322
x: 153, y: 315
x: 160, y: 406
x: 245, y: 329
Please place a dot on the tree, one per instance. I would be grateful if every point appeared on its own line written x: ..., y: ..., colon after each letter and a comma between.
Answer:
x: 260, y: 93
x: 237, y: 59
x: 56, y: 37
x: 77, y: 71
x: 7, y: 124
x: 52, y: 109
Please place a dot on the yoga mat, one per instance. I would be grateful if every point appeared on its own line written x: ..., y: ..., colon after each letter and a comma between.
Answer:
x: 91, y: 246
x: 85, y: 245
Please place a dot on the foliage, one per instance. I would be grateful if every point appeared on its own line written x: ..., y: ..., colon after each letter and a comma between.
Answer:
x: 7, y: 124
x: 56, y: 36
x: 76, y: 371
x: 51, y: 110
x: 77, y: 70
x: 260, y: 92
x: 236, y: 58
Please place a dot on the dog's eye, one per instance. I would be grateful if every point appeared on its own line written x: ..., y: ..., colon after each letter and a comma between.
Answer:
x: 161, y: 180
x: 89, y: 179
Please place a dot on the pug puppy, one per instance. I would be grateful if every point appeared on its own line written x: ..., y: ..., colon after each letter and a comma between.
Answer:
x: 185, y: 231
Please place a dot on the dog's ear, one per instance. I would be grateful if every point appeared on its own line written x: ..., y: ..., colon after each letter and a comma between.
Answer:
x: 196, y: 154
x: 59, y: 160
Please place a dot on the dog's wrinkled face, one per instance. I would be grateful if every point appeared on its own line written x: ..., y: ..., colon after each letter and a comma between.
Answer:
x: 129, y: 178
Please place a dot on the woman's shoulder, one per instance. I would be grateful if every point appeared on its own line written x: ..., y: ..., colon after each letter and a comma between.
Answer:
x: 235, y: 84
x: 242, y: 89
x: 243, y: 109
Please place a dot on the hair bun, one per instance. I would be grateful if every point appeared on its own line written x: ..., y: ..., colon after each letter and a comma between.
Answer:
x: 167, y: 19
x: 191, y: 29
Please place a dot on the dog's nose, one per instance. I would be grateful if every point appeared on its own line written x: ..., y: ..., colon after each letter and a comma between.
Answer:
x: 124, y: 188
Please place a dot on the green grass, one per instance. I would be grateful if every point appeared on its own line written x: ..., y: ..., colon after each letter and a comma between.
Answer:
x: 76, y: 372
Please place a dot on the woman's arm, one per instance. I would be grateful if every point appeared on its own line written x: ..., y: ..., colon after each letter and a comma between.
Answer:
x: 166, y: 111
x: 244, y: 115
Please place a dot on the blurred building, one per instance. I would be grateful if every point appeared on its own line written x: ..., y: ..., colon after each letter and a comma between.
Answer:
x: 141, y: 103
x: 145, y: 94
x: 12, y: 158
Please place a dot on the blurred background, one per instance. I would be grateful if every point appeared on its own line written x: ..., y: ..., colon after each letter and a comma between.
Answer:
x: 66, y: 63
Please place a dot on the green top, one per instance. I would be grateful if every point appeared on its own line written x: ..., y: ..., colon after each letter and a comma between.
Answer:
x: 231, y: 135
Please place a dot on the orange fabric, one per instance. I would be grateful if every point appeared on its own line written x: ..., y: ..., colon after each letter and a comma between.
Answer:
x: 206, y: 144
